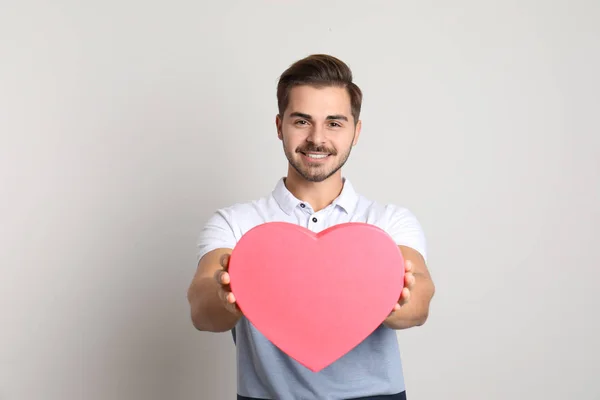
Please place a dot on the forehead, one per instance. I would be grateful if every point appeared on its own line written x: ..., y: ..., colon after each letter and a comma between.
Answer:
x: 319, y: 101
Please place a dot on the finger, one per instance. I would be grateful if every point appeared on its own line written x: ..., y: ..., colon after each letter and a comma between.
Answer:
x: 226, y: 296
x: 230, y: 302
x: 230, y: 298
x: 408, y: 266
x: 409, y: 280
x: 223, y: 295
x: 224, y: 261
x: 404, y: 297
x: 396, y: 308
x: 225, y: 279
x: 222, y: 277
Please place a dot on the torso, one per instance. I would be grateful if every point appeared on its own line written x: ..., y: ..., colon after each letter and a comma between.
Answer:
x: 373, y: 367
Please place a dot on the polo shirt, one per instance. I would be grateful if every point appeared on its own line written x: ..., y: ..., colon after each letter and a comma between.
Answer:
x: 372, y: 368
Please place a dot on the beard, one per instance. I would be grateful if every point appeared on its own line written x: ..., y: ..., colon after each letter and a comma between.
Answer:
x: 317, y: 172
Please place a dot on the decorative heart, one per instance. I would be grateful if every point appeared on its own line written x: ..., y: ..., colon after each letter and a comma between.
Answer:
x: 316, y: 296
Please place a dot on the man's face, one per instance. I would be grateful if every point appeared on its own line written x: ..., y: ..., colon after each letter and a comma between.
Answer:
x: 317, y: 131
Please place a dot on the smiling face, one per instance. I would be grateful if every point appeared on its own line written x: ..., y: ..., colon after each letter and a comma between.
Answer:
x: 318, y: 131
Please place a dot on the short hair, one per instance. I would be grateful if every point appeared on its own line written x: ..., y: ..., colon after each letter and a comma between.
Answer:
x: 319, y: 70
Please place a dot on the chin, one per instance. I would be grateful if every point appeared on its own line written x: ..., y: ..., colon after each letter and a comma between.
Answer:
x: 316, y: 179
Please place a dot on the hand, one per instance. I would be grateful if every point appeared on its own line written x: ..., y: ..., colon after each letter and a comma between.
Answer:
x: 223, y: 279
x: 409, y: 282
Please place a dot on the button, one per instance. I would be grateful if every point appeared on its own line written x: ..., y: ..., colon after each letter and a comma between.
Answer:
x: 302, y: 205
x: 314, y: 219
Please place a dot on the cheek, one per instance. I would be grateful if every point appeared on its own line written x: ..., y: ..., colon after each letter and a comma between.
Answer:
x: 289, y: 143
x: 292, y: 138
x: 342, y: 143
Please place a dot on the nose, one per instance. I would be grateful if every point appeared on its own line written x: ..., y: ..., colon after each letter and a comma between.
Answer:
x: 316, y: 135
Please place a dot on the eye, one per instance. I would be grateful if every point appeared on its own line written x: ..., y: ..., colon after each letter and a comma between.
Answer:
x: 301, y: 122
x: 335, y: 124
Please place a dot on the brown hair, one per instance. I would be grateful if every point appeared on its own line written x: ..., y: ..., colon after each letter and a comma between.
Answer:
x: 319, y: 70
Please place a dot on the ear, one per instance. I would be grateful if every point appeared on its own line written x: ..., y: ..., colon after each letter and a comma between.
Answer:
x: 357, y: 132
x: 278, y: 124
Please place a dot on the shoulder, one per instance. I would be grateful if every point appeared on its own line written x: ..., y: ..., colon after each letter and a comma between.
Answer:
x: 225, y: 226
x: 242, y: 216
x: 384, y: 213
x: 235, y: 215
x: 397, y: 214
x: 398, y: 221
x: 238, y: 213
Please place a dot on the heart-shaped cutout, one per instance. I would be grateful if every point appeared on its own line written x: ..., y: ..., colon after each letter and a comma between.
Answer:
x: 316, y: 296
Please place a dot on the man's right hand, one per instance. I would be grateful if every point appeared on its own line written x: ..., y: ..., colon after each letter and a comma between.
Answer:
x: 223, y: 279
x: 212, y: 305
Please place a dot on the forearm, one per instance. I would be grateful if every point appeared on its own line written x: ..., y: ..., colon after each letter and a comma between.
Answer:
x: 208, y: 310
x: 416, y: 311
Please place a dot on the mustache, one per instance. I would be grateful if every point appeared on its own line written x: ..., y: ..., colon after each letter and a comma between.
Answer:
x: 316, y: 149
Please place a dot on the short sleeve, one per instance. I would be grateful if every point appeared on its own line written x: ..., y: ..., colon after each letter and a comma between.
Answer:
x: 216, y: 233
x: 406, y: 230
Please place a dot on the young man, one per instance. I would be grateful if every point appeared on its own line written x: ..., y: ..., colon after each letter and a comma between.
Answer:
x: 318, y: 124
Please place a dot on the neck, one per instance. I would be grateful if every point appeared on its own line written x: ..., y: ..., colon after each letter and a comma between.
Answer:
x: 318, y: 194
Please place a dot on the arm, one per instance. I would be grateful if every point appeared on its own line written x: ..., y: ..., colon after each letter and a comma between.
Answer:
x: 212, y: 308
x: 415, y: 302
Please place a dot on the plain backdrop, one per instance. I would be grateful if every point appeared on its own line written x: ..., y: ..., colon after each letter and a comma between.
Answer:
x: 125, y: 124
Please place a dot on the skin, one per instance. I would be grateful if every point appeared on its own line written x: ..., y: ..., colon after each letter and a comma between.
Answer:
x: 317, y: 121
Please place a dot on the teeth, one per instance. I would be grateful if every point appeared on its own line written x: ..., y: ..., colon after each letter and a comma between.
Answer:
x: 317, y: 155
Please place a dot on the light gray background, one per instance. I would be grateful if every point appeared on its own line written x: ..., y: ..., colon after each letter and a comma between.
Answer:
x: 124, y: 124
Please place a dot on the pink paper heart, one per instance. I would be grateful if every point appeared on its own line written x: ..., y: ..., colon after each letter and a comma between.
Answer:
x: 316, y: 296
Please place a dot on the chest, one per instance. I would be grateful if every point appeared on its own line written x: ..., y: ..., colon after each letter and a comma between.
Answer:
x: 305, y: 216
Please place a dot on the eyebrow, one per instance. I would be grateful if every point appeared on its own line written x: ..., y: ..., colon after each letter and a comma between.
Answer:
x: 329, y: 117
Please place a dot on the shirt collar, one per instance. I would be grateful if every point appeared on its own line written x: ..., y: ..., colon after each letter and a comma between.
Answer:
x: 288, y: 202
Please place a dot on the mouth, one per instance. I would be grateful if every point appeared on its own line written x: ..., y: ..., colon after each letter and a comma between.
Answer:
x: 315, y: 157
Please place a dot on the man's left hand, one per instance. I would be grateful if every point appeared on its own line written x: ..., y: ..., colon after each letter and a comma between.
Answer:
x: 409, y: 282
